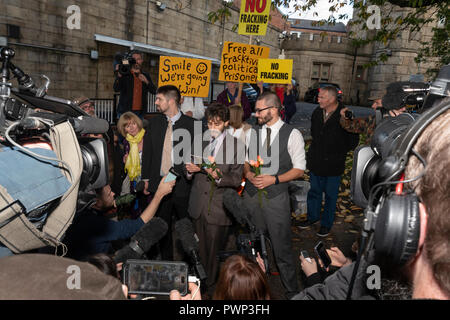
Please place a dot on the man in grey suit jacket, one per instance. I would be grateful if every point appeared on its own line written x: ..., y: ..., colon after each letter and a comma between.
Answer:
x: 206, y: 207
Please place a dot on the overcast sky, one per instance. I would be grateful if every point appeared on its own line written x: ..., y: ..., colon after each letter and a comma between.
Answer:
x: 322, y: 9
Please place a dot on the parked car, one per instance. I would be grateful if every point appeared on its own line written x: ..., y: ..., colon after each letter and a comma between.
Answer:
x: 313, y: 92
x: 251, y: 94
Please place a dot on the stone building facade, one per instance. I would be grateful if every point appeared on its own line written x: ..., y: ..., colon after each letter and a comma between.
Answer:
x: 79, y: 61
x: 38, y: 31
x: 325, y: 54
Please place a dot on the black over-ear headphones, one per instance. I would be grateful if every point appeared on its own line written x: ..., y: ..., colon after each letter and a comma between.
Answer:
x: 397, y: 227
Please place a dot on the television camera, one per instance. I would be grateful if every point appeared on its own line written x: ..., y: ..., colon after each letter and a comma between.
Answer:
x: 48, y: 158
x: 125, y: 62
x: 391, y: 225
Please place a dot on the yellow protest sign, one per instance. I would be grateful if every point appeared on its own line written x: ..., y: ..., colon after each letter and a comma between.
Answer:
x: 254, y: 17
x: 191, y: 76
x: 275, y: 70
x: 239, y: 62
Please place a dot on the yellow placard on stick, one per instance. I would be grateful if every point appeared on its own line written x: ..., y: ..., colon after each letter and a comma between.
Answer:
x: 275, y: 70
x: 239, y: 62
x: 191, y: 76
x: 254, y: 17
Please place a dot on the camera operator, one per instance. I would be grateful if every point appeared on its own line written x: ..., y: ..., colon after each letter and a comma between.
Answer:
x: 429, y: 266
x: 133, y: 85
x: 92, y: 233
x: 366, y: 125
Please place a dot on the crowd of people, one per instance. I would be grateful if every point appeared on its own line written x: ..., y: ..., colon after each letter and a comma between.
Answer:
x: 273, y: 155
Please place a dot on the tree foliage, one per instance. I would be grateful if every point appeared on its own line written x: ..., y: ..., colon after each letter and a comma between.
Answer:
x: 417, y: 14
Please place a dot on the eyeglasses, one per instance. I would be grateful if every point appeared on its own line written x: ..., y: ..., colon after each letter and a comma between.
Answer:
x: 261, y: 110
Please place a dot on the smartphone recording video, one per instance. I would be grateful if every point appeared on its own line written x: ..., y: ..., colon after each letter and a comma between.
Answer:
x: 323, y: 255
x: 155, y: 277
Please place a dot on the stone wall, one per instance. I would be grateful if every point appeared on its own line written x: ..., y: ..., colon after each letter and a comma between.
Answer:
x: 46, y: 45
x: 341, y: 56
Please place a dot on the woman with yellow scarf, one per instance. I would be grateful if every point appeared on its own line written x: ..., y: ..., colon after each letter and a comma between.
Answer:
x: 131, y: 127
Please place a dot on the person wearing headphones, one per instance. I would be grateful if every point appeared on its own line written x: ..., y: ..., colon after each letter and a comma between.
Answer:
x: 421, y: 250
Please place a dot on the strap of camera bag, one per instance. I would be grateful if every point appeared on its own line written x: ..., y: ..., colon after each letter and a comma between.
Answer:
x: 16, y: 231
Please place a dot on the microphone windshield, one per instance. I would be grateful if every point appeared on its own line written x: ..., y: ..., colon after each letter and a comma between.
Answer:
x: 185, y: 231
x: 234, y: 203
x: 145, y: 238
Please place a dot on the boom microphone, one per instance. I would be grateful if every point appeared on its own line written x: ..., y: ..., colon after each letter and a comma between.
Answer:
x: 86, y: 125
x: 142, y: 241
x: 185, y: 232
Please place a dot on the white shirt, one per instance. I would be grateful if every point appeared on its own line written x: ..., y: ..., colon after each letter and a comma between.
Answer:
x: 195, y: 105
x: 238, y: 134
x: 296, y: 144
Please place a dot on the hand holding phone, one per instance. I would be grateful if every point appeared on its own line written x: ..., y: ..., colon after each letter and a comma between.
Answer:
x: 155, y: 277
x: 171, y: 176
x: 323, y: 255
x: 305, y: 255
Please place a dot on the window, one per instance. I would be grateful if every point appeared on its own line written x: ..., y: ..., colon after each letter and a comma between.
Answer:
x: 359, y: 73
x: 321, y: 71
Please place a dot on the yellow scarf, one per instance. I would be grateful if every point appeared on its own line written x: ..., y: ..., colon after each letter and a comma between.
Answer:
x: 133, y: 164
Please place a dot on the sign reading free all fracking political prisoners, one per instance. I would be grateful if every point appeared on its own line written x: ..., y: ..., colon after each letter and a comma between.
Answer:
x: 191, y: 76
x: 254, y: 17
x: 275, y: 70
x: 239, y: 62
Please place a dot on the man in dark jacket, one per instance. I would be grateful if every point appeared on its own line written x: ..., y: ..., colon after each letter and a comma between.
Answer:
x: 134, y: 88
x: 326, y: 159
x: 164, y: 135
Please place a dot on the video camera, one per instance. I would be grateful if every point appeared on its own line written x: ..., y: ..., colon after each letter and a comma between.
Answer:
x: 365, y: 173
x: 392, y: 222
x: 125, y: 62
x: 55, y: 159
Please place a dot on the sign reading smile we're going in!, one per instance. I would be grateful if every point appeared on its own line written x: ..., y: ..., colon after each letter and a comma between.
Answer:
x: 190, y: 76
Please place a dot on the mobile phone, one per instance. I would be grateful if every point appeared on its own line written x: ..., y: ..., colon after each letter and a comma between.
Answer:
x: 172, y: 175
x: 305, y: 255
x: 323, y: 255
x: 155, y: 277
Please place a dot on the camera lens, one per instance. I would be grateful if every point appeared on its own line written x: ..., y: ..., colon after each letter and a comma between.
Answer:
x: 349, y: 114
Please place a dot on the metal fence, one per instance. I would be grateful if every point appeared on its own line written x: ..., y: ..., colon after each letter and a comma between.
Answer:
x: 106, y: 108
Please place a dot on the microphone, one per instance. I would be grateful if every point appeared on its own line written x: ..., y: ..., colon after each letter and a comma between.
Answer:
x: 86, y: 125
x: 234, y: 203
x: 31, y: 124
x: 397, y: 93
x: 185, y: 232
x: 142, y: 241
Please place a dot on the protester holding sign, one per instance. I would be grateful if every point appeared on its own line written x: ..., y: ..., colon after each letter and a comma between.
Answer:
x: 230, y: 96
x: 190, y: 76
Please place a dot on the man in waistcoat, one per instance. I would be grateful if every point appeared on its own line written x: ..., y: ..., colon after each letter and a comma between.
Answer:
x: 281, y: 147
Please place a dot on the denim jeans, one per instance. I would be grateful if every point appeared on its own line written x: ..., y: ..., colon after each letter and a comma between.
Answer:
x: 329, y: 185
x: 29, y: 180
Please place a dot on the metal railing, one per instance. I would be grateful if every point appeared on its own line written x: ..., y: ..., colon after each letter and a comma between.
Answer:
x: 106, y: 108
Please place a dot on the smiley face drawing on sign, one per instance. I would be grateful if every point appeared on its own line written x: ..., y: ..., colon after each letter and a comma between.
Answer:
x: 202, y: 68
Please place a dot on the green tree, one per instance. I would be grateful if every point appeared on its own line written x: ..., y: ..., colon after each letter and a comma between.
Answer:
x: 418, y: 13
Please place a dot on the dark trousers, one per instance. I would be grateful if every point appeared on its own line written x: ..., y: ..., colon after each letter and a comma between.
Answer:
x: 275, y: 217
x: 212, y: 240
x: 170, y: 207
x: 329, y: 185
